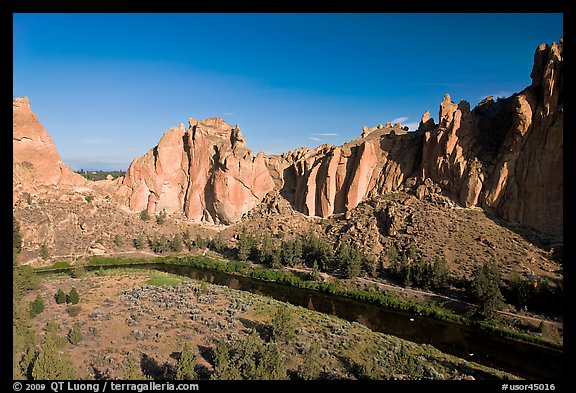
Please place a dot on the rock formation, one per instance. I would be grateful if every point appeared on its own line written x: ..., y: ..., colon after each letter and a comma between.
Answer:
x: 334, y: 179
x: 204, y: 171
x: 36, y: 162
x: 504, y: 156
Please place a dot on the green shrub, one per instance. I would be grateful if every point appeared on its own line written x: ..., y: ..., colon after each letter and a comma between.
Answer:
x: 144, y: 215
x: 60, y: 297
x: 36, y: 307
x: 161, y: 218
x: 44, y: 253
x: 74, y: 311
x: 73, y: 297
x: 118, y: 241
x: 75, y: 334
x: 140, y: 242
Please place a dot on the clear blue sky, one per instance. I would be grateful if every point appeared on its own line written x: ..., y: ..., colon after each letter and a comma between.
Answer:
x: 107, y: 86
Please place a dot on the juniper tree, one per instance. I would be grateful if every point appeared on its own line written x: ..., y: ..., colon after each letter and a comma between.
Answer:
x: 485, y: 289
x: 60, y: 297
x: 52, y: 363
x: 37, y: 306
x: 75, y: 334
x: 73, y: 296
x: 185, y: 366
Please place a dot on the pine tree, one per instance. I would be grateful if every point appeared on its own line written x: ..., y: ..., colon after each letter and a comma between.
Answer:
x: 282, y: 324
x: 312, y: 365
x: 244, y: 245
x: 485, y: 289
x: 140, y: 242
x: 275, y: 263
x: 440, y: 274
x: 266, y: 249
x: 73, y: 297
x: 60, y: 297
x: 133, y: 372
x: 297, y: 256
x: 270, y: 365
x: 176, y: 243
x: 16, y: 237
x: 52, y: 363
x: 224, y: 369
x: 185, y: 366
x: 287, y: 253
x: 75, y: 334
x: 37, y: 306
x: 354, y: 265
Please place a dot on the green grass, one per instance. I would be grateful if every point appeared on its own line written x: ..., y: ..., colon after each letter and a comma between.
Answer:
x: 384, y: 299
x: 165, y: 280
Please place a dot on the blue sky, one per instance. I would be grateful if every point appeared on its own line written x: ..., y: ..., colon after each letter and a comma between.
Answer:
x: 107, y: 86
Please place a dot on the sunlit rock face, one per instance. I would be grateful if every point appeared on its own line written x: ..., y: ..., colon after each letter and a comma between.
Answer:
x: 204, y: 171
x: 37, y: 166
x: 504, y: 156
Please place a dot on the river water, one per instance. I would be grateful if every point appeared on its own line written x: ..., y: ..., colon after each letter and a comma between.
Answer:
x: 524, y: 359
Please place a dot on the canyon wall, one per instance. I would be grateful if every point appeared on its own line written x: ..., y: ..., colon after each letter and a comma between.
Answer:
x: 505, y: 156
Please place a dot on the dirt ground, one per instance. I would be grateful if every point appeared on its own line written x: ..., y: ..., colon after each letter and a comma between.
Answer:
x: 121, y: 317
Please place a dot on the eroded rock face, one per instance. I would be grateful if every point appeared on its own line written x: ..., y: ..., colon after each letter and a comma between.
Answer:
x: 334, y: 179
x: 504, y: 156
x: 36, y: 162
x: 205, y: 171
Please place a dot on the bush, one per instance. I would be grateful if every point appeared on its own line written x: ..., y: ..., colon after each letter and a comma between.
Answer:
x: 44, y: 251
x: 73, y: 297
x: 73, y: 311
x: 16, y: 237
x: 485, y: 289
x: 89, y: 198
x: 118, y: 241
x: 140, y: 242
x: 75, y: 334
x: 78, y: 272
x: 36, y: 307
x: 60, y: 297
x: 144, y: 215
x: 282, y: 324
x: 161, y: 218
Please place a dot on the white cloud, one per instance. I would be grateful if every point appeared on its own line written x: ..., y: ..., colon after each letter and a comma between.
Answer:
x: 500, y: 94
x: 399, y: 120
x: 313, y: 138
x: 327, y: 134
x: 412, y: 126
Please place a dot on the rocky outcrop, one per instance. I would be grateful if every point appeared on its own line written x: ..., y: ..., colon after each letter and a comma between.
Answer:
x: 205, y: 171
x: 504, y: 156
x: 334, y: 179
x: 36, y: 162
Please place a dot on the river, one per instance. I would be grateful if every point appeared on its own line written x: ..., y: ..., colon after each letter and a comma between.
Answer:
x: 524, y: 359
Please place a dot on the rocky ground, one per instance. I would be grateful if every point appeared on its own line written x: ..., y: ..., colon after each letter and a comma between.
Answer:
x: 121, y: 316
x: 73, y: 228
